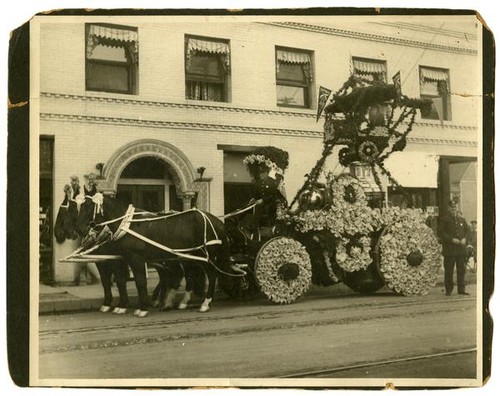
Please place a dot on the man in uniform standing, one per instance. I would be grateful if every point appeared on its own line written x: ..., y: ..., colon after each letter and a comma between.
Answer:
x: 453, y: 232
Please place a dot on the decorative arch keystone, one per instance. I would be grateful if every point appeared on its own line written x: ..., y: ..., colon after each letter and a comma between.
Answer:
x: 179, y: 166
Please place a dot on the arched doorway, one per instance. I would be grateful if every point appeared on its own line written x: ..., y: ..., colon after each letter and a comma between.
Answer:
x: 175, y: 167
x: 147, y: 183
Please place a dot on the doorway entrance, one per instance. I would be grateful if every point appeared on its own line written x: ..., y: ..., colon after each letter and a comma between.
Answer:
x: 458, y: 182
x: 147, y: 184
x: 147, y: 197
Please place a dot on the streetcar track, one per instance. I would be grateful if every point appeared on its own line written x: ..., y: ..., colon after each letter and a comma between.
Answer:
x: 258, y: 328
x: 140, y: 322
x: 315, y: 373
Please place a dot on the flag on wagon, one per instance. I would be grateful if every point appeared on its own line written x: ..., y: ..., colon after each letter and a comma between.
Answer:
x: 324, y: 94
x: 396, y: 79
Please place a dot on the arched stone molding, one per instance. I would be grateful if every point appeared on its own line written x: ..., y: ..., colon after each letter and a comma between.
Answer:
x: 180, y: 168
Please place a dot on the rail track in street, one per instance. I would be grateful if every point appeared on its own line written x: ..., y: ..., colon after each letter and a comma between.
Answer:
x: 115, y: 331
x: 370, y: 365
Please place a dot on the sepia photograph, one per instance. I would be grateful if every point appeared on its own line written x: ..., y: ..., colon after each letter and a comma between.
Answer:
x: 259, y: 199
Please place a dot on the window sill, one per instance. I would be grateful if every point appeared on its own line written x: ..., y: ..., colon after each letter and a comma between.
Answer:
x: 433, y: 122
x: 116, y: 95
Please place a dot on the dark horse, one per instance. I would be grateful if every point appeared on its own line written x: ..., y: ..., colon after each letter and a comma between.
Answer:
x: 170, y: 273
x: 66, y: 229
x: 191, y: 234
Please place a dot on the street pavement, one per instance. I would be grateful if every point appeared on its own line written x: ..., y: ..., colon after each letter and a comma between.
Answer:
x: 59, y: 299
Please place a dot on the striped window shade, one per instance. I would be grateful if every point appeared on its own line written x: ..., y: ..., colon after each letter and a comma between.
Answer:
x: 293, y: 57
x: 431, y: 74
x: 195, y: 45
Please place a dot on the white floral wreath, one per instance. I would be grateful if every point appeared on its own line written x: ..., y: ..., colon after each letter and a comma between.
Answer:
x: 358, y: 258
x: 275, y: 253
x: 338, y: 190
x: 409, y: 235
x: 260, y: 159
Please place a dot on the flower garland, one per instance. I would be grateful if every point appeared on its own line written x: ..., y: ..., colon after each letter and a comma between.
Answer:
x: 410, y: 255
x: 260, y: 159
x: 354, y: 254
x: 283, y: 270
x: 348, y: 214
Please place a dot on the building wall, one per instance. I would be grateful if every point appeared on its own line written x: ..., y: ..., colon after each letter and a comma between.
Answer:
x: 89, y: 127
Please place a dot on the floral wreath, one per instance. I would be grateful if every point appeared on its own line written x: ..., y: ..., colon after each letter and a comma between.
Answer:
x: 260, y: 159
x: 283, y: 270
x: 354, y: 254
x: 410, y: 256
x: 346, y: 190
x: 368, y: 152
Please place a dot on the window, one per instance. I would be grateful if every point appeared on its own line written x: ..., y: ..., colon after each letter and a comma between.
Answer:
x: 371, y: 70
x: 294, y: 78
x: 112, y: 58
x: 434, y: 85
x: 207, y: 63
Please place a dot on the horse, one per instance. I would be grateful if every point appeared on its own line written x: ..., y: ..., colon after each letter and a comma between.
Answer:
x: 192, y: 234
x: 68, y: 215
x: 170, y: 274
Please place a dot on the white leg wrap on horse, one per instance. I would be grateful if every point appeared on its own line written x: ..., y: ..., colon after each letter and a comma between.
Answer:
x: 185, y: 300
x: 137, y: 312
x: 206, y: 305
x: 143, y: 314
x: 105, y: 308
x: 120, y: 311
x: 169, y: 301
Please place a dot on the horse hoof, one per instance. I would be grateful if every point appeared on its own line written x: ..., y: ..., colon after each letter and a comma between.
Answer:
x: 155, y: 303
x: 165, y: 309
x: 204, y: 308
x: 143, y: 314
x: 105, y: 308
x: 120, y: 311
x: 182, y: 305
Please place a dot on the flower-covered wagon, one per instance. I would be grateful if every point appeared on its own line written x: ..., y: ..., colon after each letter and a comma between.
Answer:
x: 336, y: 229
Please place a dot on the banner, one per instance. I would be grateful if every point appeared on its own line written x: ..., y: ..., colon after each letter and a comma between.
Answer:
x: 438, y: 105
x: 324, y: 94
x: 396, y: 79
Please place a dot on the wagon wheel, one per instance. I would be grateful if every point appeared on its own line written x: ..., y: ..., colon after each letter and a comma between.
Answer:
x: 369, y: 279
x: 240, y: 287
x: 283, y: 269
x: 410, y: 256
x: 366, y: 281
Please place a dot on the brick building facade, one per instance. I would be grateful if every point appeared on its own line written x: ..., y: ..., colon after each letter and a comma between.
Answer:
x: 187, y: 93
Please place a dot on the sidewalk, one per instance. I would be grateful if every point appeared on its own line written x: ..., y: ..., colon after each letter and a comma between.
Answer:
x: 86, y: 297
x: 56, y: 299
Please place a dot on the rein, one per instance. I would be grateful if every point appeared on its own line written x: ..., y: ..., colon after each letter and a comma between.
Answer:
x: 127, y: 219
x: 240, y: 211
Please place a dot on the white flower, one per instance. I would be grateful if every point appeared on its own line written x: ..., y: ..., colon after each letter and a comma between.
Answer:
x: 277, y: 256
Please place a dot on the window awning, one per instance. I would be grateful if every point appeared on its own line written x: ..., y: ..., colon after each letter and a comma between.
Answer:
x: 112, y: 34
x: 113, y: 37
x: 210, y: 47
x: 293, y: 57
x: 433, y: 74
x: 418, y: 170
x: 213, y: 47
x: 369, y: 67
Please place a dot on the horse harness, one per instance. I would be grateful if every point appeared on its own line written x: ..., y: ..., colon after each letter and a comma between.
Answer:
x: 128, y: 218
